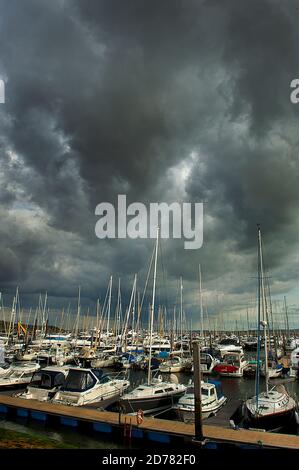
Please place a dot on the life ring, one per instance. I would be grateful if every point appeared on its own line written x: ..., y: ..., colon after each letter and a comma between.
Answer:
x: 139, y: 417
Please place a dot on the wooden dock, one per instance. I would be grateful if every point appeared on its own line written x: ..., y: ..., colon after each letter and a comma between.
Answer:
x: 149, y: 428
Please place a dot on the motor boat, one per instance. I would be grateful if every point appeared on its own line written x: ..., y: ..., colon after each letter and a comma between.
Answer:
x: 250, y: 370
x: 232, y: 365
x: 212, y: 399
x: 274, y: 370
x: 175, y: 364
x: 158, y: 345
x: 126, y: 360
x: 45, y: 383
x: 295, y: 358
x: 229, y: 345
x: 84, y: 386
x: 250, y: 343
x: 103, y: 360
x: 207, y: 363
x: 18, y: 375
x: 291, y: 344
x: 4, y: 369
x: 154, y: 396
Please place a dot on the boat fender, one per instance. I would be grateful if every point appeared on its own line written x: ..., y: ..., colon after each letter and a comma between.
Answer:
x: 297, y: 417
x: 139, y: 417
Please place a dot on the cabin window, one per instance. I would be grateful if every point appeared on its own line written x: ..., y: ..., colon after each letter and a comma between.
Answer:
x: 98, y: 373
x: 79, y: 381
x: 159, y: 391
x: 27, y: 374
x: 59, y: 379
x: 212, y: 392
x: 168, y: 389
x: 105, y: 379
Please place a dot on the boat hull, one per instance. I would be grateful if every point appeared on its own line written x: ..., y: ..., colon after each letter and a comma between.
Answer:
x: 188, y: 415
x: 150, y: 405
x: 274, y: 422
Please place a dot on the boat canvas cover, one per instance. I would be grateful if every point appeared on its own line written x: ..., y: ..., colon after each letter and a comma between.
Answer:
x: 79, y: 381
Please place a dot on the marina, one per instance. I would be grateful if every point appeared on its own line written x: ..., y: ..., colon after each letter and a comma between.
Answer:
x: 158, y: 430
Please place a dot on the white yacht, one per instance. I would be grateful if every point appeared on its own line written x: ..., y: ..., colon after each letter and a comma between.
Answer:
x: 4, y: 369
x: 295, y: 358
x: 232, y: 365
x: 84, y: 386
x: 207, y: 363
x: 271, y: 410
x: 158, y: 344
x: 103, y: 360
x: 274, y: 370
x: 45, y: 383
x: 212, y: 399
x: 154, y: 396
x: 230, y: 344
x: 175, y: 364
x: 18, y: 375
x: 274, y: 409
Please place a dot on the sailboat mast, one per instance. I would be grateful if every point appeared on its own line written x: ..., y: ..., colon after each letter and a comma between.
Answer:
x: 201, y: 307
x: 286, y: 316
x: 152, y: 311
x: 257, y: 378
x: 78, y: 313
x: 109, y: 306
x: 181, y: 315
x: 264, y: 321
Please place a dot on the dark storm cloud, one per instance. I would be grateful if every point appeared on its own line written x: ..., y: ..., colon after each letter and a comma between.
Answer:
x: 162, y: 101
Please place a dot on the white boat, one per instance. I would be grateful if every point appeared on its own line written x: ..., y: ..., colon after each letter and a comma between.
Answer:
x: 103, y: 360
x: 207, y: 363
x: 159, y: 345
x: 232, y: 365
x: 295, y: 358
x: 4, y: 369
x: 212, y: 399
x: 229, y: 345
x: 156, y: 396
x: 18, y: 375
x: 275, y: 409
x: 84, y: 386
x: 274, y: 370
x: 45, y: 383
x: 28, y: 355
x: 175, y: 364
x: 292, y: 344
x: 272, y: 410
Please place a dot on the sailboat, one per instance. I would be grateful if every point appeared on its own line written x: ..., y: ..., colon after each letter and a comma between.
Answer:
x: 177, y: 362
x: 156, y: 394
x: 275, y: 409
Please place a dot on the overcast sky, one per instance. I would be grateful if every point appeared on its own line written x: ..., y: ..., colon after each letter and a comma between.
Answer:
x: 170, y: 100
